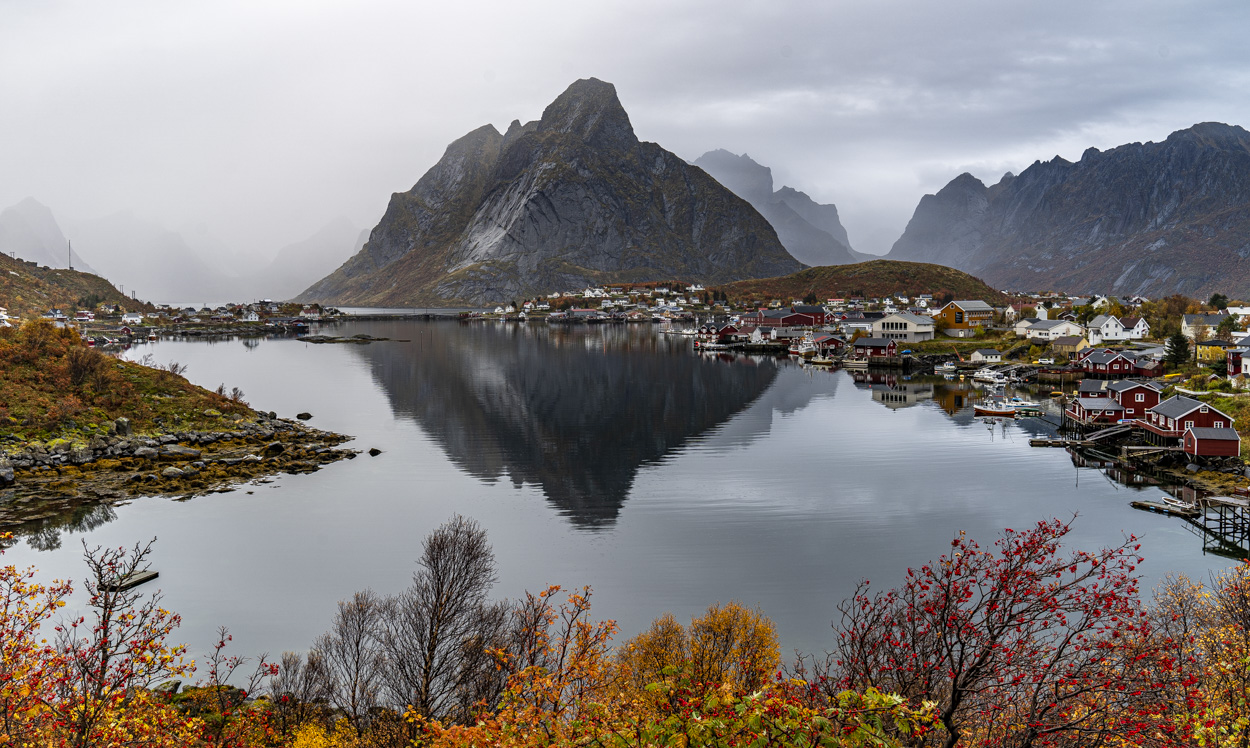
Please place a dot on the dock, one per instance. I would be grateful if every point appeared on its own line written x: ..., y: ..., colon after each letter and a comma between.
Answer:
x: 1160, y: 508
x: 129, y: 581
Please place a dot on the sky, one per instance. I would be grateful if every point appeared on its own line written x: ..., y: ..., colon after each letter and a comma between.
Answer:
x: 260, y: 121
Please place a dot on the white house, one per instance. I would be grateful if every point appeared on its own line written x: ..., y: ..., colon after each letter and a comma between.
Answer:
x: 986, y: 355
x: 1105, y: 328
x: 904, y: 327
x: 251, y: 317
x: 1049, y: 329
x: 132, y: 318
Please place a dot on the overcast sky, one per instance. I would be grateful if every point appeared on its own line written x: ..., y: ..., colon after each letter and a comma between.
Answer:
x: 264, y: 120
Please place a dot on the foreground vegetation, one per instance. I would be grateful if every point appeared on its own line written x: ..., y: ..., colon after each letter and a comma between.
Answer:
x: 1024, y: 644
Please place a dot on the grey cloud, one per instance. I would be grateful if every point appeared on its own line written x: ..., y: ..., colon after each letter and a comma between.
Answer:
x: 265, y: 120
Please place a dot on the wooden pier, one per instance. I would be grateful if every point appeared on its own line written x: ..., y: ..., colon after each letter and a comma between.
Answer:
x: 129, y: 581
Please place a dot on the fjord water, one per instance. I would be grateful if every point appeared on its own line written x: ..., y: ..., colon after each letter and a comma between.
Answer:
x: 607, y: 456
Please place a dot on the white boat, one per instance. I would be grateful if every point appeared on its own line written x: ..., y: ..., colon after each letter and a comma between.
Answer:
x: 1176, y: 503
x: 805, y: 348
x: 945, y: 367
x: 1019, y: 402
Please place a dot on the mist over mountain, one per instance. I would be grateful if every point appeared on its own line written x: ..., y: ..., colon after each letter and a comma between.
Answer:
x: 154, y: 262
x: 29, y: 231
x: 299, y: 265
x: 571, y: 199
x: 810, y: 231
x: 1143, y: 218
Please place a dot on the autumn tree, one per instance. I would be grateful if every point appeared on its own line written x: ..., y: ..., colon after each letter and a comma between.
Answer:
x: 349, y: 658
x: 437, y: 636
x: 730, y: 645
x: 115, y: 651
x: 1019, y: 646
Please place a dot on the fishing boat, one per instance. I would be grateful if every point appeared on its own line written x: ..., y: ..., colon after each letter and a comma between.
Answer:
x: 947, y: 366
x: 803, y: 347
x: 995, y: 407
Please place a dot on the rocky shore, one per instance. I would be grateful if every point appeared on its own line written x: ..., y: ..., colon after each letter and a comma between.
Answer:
x: 41, y: 480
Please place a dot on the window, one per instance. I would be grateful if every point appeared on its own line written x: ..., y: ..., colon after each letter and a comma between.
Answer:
x: 1189, y: 424
x: 1219, y: 424
x: 1203, y: 409
x: 1141, y: 397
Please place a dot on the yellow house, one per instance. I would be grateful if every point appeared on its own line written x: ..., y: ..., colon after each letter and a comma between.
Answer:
x: 1213, y: 350
x: 962, y: 318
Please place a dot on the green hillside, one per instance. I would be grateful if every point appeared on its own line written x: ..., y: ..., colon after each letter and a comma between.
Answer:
x: 876, y: 278
x: 28, y: 290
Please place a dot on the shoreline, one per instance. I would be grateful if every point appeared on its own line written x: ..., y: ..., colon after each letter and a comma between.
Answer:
x: 40, y: 481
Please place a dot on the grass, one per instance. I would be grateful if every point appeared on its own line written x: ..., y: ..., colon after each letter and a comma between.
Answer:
x: 54, y: 387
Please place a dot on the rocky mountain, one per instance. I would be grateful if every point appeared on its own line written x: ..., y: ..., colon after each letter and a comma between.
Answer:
x: 810, y: 231
x: 571, y: 199
x: 30, y: 232
x: 1143, y: 218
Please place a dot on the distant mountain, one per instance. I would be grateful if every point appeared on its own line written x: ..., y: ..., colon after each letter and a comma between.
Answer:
x: 29, y: 230
x: 571, y: 199
x: 874, y: 278
x: 299, y: 265
x: 810, y: 231
x: 1151, y: 219
x: 28, y: 289
x: 152, y: 260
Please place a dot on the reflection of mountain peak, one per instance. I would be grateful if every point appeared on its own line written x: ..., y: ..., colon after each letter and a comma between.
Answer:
x: 575, y: 411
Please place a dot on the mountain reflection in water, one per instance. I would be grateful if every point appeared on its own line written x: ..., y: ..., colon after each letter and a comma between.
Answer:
x: 575, y: 410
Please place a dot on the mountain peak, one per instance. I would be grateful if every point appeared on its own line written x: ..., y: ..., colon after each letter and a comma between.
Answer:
x: 590, y: 110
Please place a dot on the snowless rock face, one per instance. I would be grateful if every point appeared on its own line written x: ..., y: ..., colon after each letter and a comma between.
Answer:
x: 570, y: 200
x: 810, y: 231
x: 1152, y: 219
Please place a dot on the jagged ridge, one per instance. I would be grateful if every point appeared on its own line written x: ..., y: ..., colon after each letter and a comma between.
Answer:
x: 1152, y: 219
x: 571, y: 199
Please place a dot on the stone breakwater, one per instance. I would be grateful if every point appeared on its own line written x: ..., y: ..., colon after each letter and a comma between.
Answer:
x: 40, y: 480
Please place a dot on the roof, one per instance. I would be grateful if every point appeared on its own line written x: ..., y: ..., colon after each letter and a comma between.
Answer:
x: 1123, y: 385
x: 1099, y: 403
x: 1129, y: 322
x: 973, y: 306
x: 874, y: 342
x: 808, y: 309
x: 1049, y: 324
x: 1106, y: 357
x: 1101, y: 320
x: 1068, y: 340
x: 988, y: 352
x: 1177, y: 406
x: 1206, y: 432
x: 1212, y: 320
x: 1218, y: 344
x: 915, y: 319
x: 1092, y: 385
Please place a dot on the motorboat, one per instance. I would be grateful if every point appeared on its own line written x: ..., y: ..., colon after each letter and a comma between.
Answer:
x: 946, y: 366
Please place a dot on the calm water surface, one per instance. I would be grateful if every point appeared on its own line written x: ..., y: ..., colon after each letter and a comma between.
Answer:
x: 607, y: 456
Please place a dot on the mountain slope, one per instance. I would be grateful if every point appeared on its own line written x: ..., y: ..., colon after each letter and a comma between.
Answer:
x: 875, y: 278
x: 27, y: 290
x: 29, y: 230
x: 810, y: 231
x: 571, y: 199
x: 1151, y: 219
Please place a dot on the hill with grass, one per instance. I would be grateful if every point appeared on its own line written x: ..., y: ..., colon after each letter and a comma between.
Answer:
x: 28, y: 289
x: 875, y: 278
x: 51, y: 385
